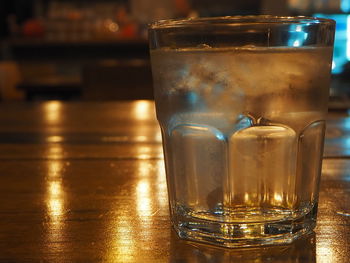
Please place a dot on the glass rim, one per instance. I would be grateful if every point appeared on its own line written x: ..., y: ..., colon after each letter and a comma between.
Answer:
x: 239, y: 21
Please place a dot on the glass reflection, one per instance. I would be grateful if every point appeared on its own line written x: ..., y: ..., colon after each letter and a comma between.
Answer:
x: 302, y: 250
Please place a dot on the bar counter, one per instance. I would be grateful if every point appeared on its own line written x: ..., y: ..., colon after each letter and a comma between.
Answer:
x: 85, y: 182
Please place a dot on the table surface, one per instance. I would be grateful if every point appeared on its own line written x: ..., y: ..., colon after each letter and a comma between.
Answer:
x: 85, y: 182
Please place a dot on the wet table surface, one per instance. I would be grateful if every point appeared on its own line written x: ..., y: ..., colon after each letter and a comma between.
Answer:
x: 85, y: 182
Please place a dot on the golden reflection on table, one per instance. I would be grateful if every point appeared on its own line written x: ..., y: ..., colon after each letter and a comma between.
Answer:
x: 85, y: 182
x: 142, y: 110
x: 52, y: 111
x: 55, y: 203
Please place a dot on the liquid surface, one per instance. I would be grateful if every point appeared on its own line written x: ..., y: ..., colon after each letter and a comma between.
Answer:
x: 242, y: 130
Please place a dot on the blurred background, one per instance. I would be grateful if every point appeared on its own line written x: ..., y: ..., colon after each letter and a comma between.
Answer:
x: 98, y: 49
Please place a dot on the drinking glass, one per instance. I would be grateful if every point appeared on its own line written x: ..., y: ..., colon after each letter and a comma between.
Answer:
x: 241, y: 102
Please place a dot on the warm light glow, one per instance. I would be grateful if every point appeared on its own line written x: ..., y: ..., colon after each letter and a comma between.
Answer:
x: 246, y: 197
x: 145, y: 197
x: 55, y: 208
x: 55, y: 189
x: 54, y: 139
x: 55, y: 194
x: 143, y: 189
x: 141, y: 138
x: 144, y: 207
x: 144, y: 168
x: 324, y: 253
x: 55, y: 168
x: 53, y: 111
x: 162, y: 194
x: 158, y: 136
x: 55, y: 151
x: 150, y: 197
x: 278, y: 197
x: 124, y: 244
x: 143, y: 152
x: 55, y: 203
x: 327, y: 245
x: 113, y: 27
x: 146, y: 152
x: 142, y: 109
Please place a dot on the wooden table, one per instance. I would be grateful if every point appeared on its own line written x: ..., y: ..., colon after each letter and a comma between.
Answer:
x: 85, y: 182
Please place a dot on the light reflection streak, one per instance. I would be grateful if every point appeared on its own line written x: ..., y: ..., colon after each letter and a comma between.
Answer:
x: 162, y: 194
x: 158, y: 136
x: 55, y: 189
x: 124, y: 241
x: 141, y: 138
x: 52, y: 110
x: 246, y: 197
x: 55, y: 193
x: 55, y: 201
x: 278, y: 198
x: 327, y: 243
x: 143, y: 152
x: 150, y: 197
x: 55, y: 207
x: 145, y: 198
x: 144, y: 202
x: 142, y: 109
x: 324, y: 252
x: 55, y: 151
x: 54, y: 139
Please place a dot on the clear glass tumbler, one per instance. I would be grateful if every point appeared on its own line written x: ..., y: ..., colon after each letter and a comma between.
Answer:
x: 241, y: 103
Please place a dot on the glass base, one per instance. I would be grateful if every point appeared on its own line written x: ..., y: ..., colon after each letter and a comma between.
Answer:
x: 229, y: 234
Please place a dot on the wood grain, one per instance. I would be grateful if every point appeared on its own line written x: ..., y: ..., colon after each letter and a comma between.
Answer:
x: 85, y: 182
